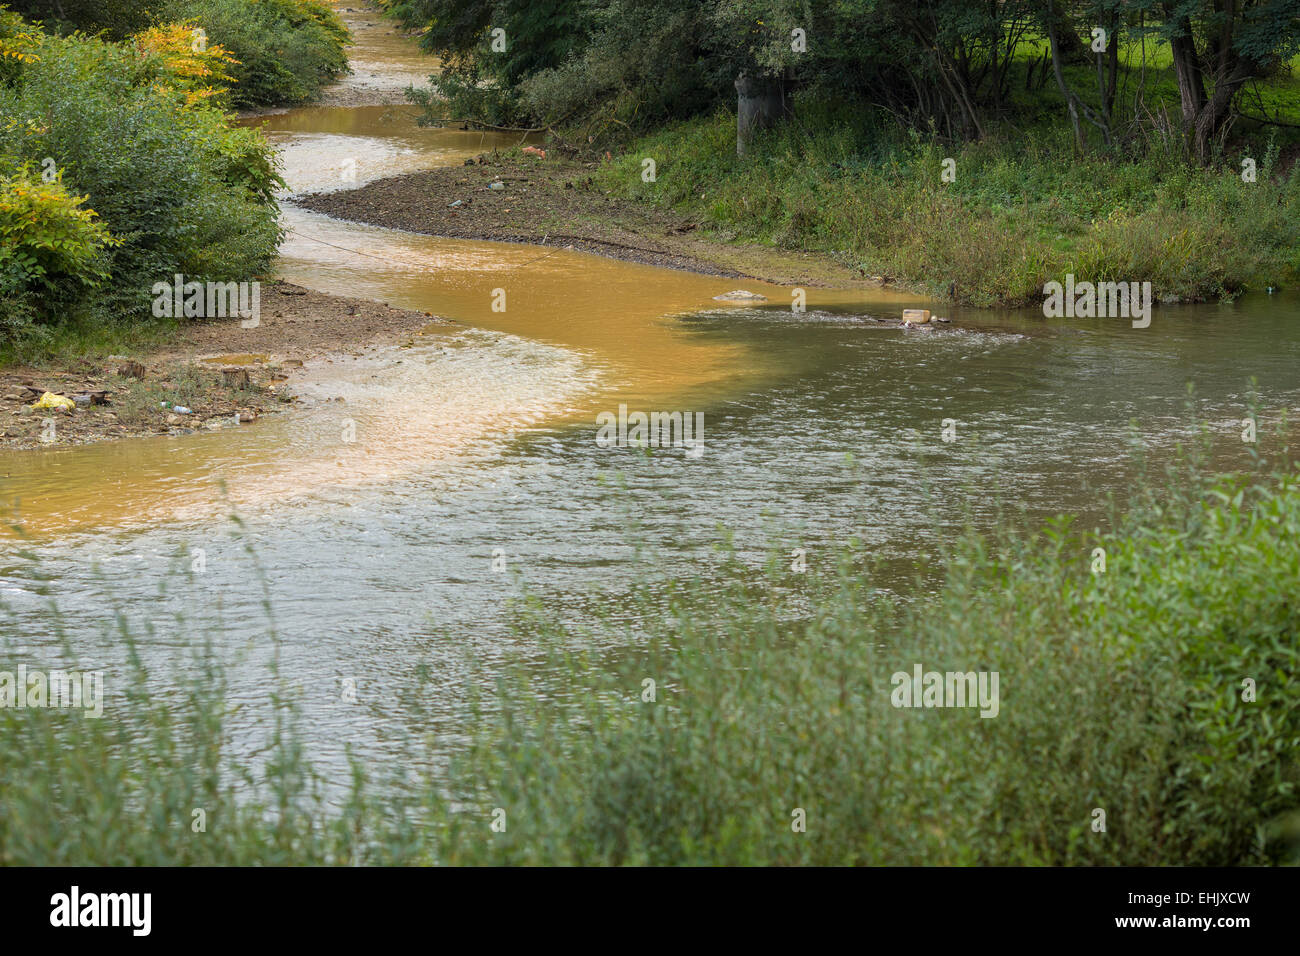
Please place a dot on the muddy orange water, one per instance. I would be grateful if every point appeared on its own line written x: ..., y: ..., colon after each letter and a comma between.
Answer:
x: 555, y: 337
x: 391, y: 518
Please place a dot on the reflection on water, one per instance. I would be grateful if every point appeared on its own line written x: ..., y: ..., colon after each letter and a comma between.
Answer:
x: 481, y: 441
x: 334, y: 147
x: 380, y: 57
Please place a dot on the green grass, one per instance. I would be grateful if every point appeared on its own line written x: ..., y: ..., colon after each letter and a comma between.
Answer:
x: 1148, y: 68
x: 1025, y: 207
x: 87, y: 337
x: 1120, y: 691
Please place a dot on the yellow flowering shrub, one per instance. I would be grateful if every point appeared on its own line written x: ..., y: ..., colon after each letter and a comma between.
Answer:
x: 194, y: 66
x: 19, y: 42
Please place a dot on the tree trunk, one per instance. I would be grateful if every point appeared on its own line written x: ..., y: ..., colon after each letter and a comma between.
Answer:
x: 1204, y: 115
x: 1215, y: 112
x: 1191, y: 85
x: 1054, y: 40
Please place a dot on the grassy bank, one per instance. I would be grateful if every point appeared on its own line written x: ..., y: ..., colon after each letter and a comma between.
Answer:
x: 1123, y: 691
x: 1099, y: 160
x: 1021, y: 209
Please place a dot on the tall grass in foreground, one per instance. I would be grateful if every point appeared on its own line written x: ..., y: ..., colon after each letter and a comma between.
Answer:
x: 1120, y: 691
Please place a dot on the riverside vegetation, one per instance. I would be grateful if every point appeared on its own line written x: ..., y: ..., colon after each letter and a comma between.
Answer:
x: 1161, y: 690
x: 1123, y: 690
x: 969, y: 151
x: 1022, y: 211
x: 120, y: 166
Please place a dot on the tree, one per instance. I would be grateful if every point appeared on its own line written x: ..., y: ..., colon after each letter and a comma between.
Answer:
x: 1103, y: 15
x: 1217, y: 47
x: 120, y: 18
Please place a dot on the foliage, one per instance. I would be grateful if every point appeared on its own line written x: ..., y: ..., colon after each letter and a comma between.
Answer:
x: 47, y: 241
x: 645, y: 62
x: 480, y: 68
x: 117, y: 18
x: 189, y: 63
x: 287, y: 50
x: 1020, y: 212
x: 45, y: 232
x: 283, y: 51
x: 948, y: 68
x: 18, y: 41
x: 178, y: 188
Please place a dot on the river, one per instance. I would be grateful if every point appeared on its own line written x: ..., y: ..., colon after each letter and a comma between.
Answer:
x: 475, y: 469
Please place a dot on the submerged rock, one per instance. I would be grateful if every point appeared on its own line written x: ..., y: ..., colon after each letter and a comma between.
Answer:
x: 740, y: 295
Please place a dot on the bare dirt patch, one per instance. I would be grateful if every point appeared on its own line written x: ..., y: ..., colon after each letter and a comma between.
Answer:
x: 556, y: 202
x: 219, y: 373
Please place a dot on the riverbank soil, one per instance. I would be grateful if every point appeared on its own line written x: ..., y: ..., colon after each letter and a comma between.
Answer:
x: 557, y: 202
x: 225, y: 374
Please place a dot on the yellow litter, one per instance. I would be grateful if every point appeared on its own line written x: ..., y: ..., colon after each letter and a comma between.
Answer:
x: 50, y: 400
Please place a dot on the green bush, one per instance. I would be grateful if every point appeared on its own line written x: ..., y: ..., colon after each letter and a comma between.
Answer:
x: 177, y: 188
x: 46, y: 238
x: 475, y: 80
x: 287, y: 49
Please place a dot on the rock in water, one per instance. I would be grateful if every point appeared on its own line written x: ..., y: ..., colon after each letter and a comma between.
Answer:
x: 740, y: 295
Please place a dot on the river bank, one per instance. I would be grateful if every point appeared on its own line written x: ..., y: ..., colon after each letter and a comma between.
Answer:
x: 555, y: 202
x: 224, y: 373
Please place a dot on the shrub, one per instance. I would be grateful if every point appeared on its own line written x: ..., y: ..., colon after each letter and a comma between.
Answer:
x: 283, y: 50
x: 188, y: 63
x: 178, y: 188
x: 286, y: 50
x: 48, y: 243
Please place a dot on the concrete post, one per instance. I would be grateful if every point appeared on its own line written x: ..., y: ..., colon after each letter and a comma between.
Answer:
x: 759, y: 104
